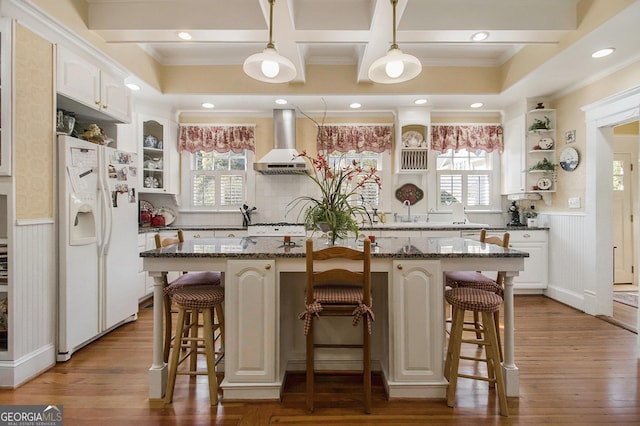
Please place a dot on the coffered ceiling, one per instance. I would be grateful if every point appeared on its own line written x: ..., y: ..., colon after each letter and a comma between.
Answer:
x: 357, y: 32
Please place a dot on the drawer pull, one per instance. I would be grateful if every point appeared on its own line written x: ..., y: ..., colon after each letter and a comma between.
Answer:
x: 526, y: 235
x: 399, y: 266
x: 267, y: 266
x: 196, y: 236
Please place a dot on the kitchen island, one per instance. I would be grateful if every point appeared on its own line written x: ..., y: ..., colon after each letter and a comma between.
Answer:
x: 264, y: 280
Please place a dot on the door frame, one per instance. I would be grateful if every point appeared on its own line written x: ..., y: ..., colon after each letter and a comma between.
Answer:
x: 600, y: 117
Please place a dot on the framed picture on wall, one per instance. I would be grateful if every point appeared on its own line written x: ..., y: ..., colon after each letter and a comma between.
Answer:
x: 570, y: 136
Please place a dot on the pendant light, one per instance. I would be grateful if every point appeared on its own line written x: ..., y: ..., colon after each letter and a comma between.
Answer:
x: 269, y: 66
x: 395, y: 66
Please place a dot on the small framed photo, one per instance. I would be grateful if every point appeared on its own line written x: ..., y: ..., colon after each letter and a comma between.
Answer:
x: 570, y: 136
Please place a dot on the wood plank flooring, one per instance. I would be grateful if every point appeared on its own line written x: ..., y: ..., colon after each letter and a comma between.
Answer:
x: 574, y: 369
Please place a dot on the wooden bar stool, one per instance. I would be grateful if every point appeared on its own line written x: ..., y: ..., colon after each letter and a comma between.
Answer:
x: 475, y: 279
x: 186, y: 280
x: 195, y: 301
x: 485, y: 303
x: 338, y: 292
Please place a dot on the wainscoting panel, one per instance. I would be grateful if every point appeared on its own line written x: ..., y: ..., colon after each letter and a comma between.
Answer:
x: 34, y: 290
x: 566, y: 257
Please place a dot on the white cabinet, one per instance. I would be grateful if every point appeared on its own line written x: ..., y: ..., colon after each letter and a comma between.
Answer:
x: 416, y: 329
x: 85, y: 82
x: 159, y: 155
x: 535, y: 276
x: 142, y: 289
x: 251, y: 307
x: 512, y: 159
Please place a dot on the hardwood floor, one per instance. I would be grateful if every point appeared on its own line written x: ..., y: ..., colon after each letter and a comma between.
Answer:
x: 574, y: 368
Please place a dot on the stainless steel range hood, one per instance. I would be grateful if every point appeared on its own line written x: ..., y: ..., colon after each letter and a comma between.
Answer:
x: 282, y: 158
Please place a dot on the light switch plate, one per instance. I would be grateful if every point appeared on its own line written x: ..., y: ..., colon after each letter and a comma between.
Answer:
x: 574, y: 202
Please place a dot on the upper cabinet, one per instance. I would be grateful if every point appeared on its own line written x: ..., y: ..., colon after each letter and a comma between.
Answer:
x: 158, y: 138
x: 85, y: 82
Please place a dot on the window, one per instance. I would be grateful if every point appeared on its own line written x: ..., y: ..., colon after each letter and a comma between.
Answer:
x: 367, y: 159
x: 467, y: 177
x: 618, y: 175
x: 217, y: 181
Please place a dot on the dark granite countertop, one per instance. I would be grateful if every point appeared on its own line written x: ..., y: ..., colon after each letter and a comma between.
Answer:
x: 386, y: 247
x: 387, y: 226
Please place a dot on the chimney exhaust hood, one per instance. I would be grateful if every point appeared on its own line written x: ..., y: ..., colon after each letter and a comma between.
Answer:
x: 281, y: 159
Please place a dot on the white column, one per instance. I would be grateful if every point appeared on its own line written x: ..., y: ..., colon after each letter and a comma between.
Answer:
x: 158, y: 370
x: 509, y: 369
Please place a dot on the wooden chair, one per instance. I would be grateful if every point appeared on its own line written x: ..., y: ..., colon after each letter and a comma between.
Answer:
x: 475, y: 279
x: 486, y: 303
x: 338, y: 292
x: 188, y: 280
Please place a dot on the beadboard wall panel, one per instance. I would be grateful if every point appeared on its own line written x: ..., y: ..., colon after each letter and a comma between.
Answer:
x: 566, y: 258
x: 34, y: 297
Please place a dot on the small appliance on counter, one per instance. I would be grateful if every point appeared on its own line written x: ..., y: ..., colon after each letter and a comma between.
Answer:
x: 515, y: 215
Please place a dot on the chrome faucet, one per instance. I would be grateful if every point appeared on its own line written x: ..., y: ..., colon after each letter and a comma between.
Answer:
x: 408, y: 204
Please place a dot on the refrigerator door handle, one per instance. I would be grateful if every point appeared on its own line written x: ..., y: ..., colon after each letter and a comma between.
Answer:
x: 108, y: 203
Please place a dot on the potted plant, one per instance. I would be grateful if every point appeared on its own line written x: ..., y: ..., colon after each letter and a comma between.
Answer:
x: 540, y: 124
x: 334, y: 212
x: 543, y: 165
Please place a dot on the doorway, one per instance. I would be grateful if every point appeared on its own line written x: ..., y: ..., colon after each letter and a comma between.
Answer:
x: 626, y: 142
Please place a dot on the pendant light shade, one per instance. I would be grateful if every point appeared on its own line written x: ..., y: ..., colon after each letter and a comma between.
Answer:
x: 269, y: 66
x: 395, y: 66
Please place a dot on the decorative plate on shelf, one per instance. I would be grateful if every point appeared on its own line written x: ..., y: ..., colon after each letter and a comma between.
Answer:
x: 409, y: 192
x: 151, y: 182
x: 412, y: 139
x: 169, y: 215
x: 545, y: 143
x: 544, y: 183
x: 145, y: 205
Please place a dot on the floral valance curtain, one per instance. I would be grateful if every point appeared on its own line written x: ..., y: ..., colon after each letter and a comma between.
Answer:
x: 209, y: 138
x: 343, y: 138
x: 472, y: 137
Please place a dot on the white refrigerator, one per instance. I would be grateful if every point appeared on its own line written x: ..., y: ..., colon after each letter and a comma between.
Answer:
x: 97, y: 242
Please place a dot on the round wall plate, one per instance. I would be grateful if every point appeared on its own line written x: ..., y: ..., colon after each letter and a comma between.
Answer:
x: 569, y: 159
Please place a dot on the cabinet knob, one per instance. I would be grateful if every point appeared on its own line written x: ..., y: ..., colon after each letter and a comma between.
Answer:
x: 399, y: 266
x: 526, y: 235
x: 267, y: 266
x: 97, y: 102
x: 231, y: 235
x: 196, y: 236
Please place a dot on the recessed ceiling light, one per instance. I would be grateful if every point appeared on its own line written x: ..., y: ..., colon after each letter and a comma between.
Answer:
x: 207, y: 105
x: 281, y: 101
x: 603, y: 52
x: 132, y: 86
x: 355, y: 105
x: 480, y: 36
x: 420, y: 101
x: 183, y: 35
x: 476, y: 105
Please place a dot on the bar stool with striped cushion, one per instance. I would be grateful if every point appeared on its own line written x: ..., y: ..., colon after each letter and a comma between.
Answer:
x: 486, y: 303
x: 193, y: 302
x: 338, y: 292
x: 186, y: 280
